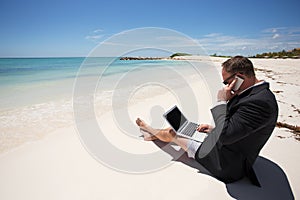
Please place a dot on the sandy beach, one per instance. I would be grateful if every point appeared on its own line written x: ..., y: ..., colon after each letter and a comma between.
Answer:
x: 58, y: 166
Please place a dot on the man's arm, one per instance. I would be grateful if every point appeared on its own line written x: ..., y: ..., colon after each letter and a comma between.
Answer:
x: 243, y: 122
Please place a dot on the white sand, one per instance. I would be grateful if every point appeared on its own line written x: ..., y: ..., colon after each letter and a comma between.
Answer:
x: 59, y: 167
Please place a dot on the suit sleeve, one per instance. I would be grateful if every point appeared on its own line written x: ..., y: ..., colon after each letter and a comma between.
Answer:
x: 241, y: 123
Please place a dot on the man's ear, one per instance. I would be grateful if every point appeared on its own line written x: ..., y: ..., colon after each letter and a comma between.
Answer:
x: 241, y: 74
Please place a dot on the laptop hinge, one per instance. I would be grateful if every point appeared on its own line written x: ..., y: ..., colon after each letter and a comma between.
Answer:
x: 184, y: 125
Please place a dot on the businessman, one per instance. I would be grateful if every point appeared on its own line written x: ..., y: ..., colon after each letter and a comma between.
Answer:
x: 244, y: 117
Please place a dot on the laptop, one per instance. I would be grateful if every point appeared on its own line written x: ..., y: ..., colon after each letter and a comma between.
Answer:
x: 182, y: 126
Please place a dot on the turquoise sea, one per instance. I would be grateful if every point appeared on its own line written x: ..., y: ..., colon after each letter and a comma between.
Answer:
x: 36, y: 93
x: 27, y: 81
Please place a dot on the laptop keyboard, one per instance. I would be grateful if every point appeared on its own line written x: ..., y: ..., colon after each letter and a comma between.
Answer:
x: 190, y: 129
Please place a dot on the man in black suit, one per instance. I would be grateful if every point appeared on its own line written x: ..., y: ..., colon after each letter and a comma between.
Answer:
x: 244, y: 121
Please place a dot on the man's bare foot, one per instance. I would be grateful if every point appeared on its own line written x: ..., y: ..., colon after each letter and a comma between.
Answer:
x: 148, y: 136
x: 165, y: 135
x: 141, y: 124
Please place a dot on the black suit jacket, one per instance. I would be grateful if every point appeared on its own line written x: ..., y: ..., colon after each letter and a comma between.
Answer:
x: 243, y: 126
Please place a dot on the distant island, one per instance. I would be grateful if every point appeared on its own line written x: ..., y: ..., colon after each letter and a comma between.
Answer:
x: 142, y: 58
x: 155, y: 58
x: 180, y: 54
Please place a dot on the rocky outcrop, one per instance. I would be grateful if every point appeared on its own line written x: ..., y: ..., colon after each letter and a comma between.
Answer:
x: 142, y: 58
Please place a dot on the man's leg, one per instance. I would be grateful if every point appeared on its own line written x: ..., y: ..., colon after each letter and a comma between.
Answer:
x: 168, y: 135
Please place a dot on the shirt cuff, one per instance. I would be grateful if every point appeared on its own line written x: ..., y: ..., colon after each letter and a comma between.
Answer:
x: 220, y: 103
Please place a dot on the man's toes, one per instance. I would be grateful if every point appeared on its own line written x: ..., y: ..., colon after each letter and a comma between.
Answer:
x: 138, y: 121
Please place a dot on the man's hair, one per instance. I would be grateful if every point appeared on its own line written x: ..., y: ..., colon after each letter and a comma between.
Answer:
x: 239, y: 64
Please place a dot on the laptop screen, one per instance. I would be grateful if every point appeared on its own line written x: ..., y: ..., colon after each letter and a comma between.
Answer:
x: 175, y: 118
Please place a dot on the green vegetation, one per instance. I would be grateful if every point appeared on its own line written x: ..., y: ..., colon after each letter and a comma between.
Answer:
x: 179, y: 54
x: 295, y: 53
x: 215, y: 55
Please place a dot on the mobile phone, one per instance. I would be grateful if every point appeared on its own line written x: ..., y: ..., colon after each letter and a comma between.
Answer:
x: 238, y: 83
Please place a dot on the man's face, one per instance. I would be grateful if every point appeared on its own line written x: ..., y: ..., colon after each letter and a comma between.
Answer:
x: 227, y: 77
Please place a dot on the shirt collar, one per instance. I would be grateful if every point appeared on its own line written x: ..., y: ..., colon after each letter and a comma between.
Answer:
x: 256, y: 84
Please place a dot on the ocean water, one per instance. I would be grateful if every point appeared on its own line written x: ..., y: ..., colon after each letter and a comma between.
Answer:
x: 37, y: 93
x: 26, y: 81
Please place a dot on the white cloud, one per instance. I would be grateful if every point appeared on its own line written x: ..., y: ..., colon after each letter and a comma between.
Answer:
x: 275, y: 36
x: 95, y: 35
x: 272, y: 39
x: 98, y: 30
x: 273, y: 30
x: 213, y: 35
x: 94, y: 38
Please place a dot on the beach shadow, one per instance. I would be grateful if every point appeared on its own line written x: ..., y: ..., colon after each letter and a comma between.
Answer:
x: 181, y: 156
x: 273, y: 180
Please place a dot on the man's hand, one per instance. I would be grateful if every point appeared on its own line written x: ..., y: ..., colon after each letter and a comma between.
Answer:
x: 205, y: 128
x: 226, y: 93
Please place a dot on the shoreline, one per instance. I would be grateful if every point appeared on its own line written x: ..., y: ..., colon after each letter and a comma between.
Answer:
x: 193, y: 57
x: 281, y: 82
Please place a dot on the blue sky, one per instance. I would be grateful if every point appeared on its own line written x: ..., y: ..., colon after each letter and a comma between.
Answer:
x: 39, y: 28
